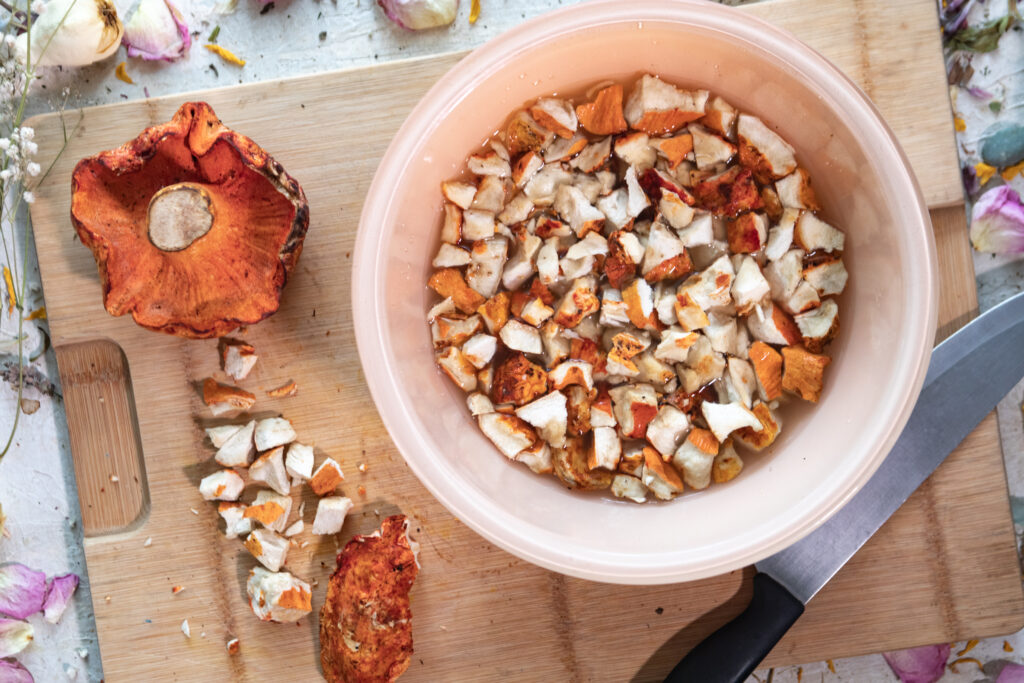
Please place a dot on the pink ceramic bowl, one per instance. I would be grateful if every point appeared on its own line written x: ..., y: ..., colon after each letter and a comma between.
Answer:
x: 825, y: 453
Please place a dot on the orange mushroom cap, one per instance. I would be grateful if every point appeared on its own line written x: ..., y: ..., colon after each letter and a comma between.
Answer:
x: 229, y: 221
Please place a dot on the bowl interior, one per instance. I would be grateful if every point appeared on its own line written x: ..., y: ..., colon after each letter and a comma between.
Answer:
x: 825, y: 452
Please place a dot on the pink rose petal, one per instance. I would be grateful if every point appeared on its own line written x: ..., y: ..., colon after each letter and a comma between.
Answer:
x: 60, y: 590
x: 15, y: 636
x: 918, y: 664
x: 997, y: 221
x: 22, y: 590
x: 157, y: 30
x: 1011, y: 673
x: 13, y: 672
x: 417, y: 15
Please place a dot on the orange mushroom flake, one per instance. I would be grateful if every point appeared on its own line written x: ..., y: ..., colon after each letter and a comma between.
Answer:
x: 194, y: 227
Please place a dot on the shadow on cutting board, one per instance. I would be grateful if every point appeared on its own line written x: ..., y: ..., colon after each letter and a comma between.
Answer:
x: 672, y: 650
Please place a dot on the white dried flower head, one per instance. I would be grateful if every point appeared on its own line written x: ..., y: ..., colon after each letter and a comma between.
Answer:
x: 5, y: 143
x: 28, y: 197
x: 27, y: 133
x: 32, y: 168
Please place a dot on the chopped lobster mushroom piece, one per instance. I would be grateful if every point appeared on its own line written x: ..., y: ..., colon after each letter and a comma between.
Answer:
x: 727, y: 464
x: 268, y: 547
x: 605, y: 449
x: 694, y: 458
x: 827, y: 278
x: 742, y: 381
x: 487, y: 260
x: 526, y: 167
x: 577, y: 404
x: 659, y: 108
x: 601, y: 413
x: 494, y: 312
x: 556, y: 115
x: 720, y: 116
x: 803, y: 372
x: 238, y: 359
x: 522, y: 264
x: 594, y: 156
x: 784, y: 274
x: 278, y: 596
x: 748, y: 232
x: 544, y: 184
x: 221, y: 485
x: 803, y: 299
x: 518, y: 381
x: 572, y: 372
x: 479, y: 404
x: 630, y: 488
x: 615, y: 207
x: 269, y: 468
x: 454, y: 331
x: 660, y: 477
x: 710, y: 149
x: 767, y: 364
x: 459, y: 194
x: 667, y: 430
x: 603, y: 116
x: 591, y: 245
x: 675, y: 150
x: 760, y: 439
x: 704, y: 364
x: 448, y: 282
x: 762, y: 150
x: 812, y: 234
x: 632, y: 461
x: 298, y: 462
x: 444, y: 307
x: 235, y: 522
x: 579, y: 302
x: 819, y: 325
x: 639, y: 299
x: 689, y: 313
x: 548, y: 415
x: 573, y: 207
x: 795, y: 191
x: 634, y: 406
x: 635, y: 150
x: 330, y: 515
x: 222, y: 398
x: 636, y: 198
x: 750, y: 287
x: 327, y: 477
x: 665, y: 257
x: 489, y: 163
x: 451, y: 228
x: 675, y: 344
x: 477, y: 225
x: 519, y: 336
x: 773, y: 325
x: 653, y: 371
x: 675, y: 211
x: 570, y: 465
x: 721, y: 331
x: 562, y: 149
x: 725, y: 418
x: 537, y: 457
x: 509, y: 433
x: 517, y: 210
x: 524, y: 134
x: 780, y: 237
x: 270, y: 509
x: 479, y: 349
x: 450, y: 256
x: 556, y: 345
x: 238, y: 450
x: 458, y: 368
x: 273, y: 432
x: 219, y: 435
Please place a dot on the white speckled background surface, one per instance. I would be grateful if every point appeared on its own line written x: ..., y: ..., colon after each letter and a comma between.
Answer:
x: 295, y: 37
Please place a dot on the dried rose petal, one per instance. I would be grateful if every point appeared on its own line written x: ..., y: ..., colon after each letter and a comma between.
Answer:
x: 157, y: 31
x: 918, y: 664
x: 13, y: 672
x: 22, y: 590
x: 60, y: 590
x: 15, y: 635
x: 1011, y: 673
x: 417, y: 15
x: 997, y: 221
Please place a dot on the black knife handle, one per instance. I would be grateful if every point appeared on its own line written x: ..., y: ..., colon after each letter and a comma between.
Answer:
x: 732, y: 652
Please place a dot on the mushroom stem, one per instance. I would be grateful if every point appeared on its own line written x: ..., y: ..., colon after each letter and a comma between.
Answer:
x: 179, y: 215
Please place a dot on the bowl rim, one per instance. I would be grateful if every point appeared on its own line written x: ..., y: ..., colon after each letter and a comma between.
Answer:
x: 444, y: 96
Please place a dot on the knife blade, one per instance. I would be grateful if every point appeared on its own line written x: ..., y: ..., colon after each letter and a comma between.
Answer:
x: 968, y: 374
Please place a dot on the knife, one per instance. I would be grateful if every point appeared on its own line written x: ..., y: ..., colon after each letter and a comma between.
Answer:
x: 968, y: 374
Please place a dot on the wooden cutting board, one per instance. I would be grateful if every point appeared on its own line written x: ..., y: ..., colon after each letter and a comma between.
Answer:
x: 943, y: 568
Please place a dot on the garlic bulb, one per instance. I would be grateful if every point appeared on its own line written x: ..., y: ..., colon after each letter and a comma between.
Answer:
x: 73, y: 33
x: 420, y: 14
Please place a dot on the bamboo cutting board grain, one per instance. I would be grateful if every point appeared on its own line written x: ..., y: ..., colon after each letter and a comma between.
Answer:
x: 943, y: 568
